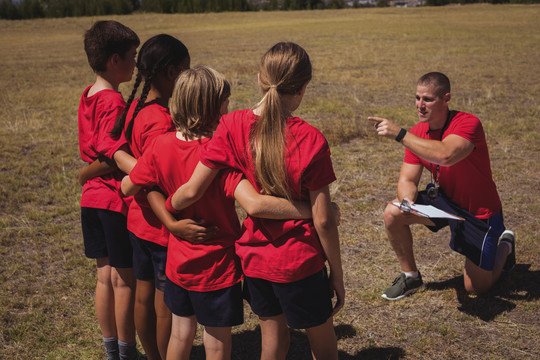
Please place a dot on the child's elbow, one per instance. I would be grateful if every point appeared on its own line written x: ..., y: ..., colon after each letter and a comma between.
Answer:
x: 129, y: 190
x: 124, y: 186
x: 325, y: 222
x: 184, y: 197
x: 192, y: 195
x: 252, y: 208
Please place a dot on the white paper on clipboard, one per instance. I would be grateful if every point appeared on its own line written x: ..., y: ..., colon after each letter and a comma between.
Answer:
x: 430, y: 211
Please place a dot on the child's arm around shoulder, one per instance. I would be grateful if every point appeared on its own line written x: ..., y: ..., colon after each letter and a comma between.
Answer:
x: 195, y: 188
x: 128, y: 187
x: 269, y: 207
x: 101, y: 166
x: 124, y: 160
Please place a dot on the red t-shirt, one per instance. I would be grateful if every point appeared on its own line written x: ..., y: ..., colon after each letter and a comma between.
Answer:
x: 469, y: 183
x: 213, y: 265
x: 276, y: 250
x: 96, y: 117
x: 151, y: 121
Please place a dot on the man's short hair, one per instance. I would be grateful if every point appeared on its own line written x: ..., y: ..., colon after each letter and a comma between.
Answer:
x: 106, y: 38
x: 439, y: 80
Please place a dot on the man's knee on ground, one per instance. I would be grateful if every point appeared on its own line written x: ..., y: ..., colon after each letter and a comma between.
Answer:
x: 476, y: 280
x: 476, y: 289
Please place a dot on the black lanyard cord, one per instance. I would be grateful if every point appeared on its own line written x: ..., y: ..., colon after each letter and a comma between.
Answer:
x: 435, y: 176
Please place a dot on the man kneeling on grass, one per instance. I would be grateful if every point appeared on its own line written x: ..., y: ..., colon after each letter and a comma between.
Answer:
x: 452, y: 146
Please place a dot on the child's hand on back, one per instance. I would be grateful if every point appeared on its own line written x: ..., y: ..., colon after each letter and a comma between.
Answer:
x: 82, y: 178
x: 195, y: 231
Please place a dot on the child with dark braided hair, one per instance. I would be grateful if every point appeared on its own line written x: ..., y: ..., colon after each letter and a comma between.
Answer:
x: 161, y: 59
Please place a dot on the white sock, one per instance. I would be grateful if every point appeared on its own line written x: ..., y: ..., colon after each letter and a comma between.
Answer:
x: 413, y: 275
x: 510, y: 245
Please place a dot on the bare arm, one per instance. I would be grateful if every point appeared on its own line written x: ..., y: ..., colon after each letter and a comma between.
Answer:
x: 100, y: 166
x: 409, y: 177
x: 194, y: 189
x: 269, y: 207
x: 124, y: 160
x: 451, y: 150
x: 128, y: 187
x: 191, y: 230
x: 326, y: 227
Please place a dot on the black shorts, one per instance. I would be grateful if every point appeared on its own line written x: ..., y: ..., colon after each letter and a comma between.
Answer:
x: 105, y: 235
x: 149, y: 261
x: 475, y: 238
x: 219, y: 308
x: 306, y: 303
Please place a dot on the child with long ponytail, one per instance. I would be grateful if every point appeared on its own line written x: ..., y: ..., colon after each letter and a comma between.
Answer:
x: 283, y: 261
x: 203, y: 279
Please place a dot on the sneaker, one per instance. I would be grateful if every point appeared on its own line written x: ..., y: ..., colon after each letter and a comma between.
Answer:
x: 509, y: 237
x: 403, y: 286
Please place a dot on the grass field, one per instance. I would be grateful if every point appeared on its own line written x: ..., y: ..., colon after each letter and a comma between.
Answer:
x: 366, y: 62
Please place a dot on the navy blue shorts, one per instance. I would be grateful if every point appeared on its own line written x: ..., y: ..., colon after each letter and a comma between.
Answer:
x: 105, y: 234
x: 219, y: 308
x: 475, y: 238
x: 149, y: 261
x: 306, y: 303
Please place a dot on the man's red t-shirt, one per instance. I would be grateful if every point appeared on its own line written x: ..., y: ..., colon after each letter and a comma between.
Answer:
x: 469, y: 183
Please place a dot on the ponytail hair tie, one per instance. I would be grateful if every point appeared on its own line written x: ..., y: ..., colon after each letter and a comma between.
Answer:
x: 273, y: 86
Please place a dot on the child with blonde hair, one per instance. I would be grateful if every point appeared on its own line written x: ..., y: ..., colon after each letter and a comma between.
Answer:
x: 281, y: 155
x: 203, y: 279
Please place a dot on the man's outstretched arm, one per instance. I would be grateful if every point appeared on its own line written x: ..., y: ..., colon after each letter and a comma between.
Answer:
x: 451, y: 150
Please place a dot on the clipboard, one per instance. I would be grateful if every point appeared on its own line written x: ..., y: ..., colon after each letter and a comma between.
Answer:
x: 428, y: 211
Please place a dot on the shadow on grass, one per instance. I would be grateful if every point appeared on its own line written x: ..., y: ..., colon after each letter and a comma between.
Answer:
x: 375, y: 353
x: 519, y: 284
x: 247, y: 346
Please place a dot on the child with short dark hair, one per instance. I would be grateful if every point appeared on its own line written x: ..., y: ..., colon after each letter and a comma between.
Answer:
x: 111, y: 48
x: 203, y: 279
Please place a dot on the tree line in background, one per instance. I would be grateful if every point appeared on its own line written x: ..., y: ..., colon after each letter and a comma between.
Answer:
x: 31, y: 9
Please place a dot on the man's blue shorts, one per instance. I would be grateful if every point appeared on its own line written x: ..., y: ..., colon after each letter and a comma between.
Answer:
x: 149, y: 261
x: 105, y: 234
x: 219, y: 308
x: 475, y: 238
x: 306, y: 303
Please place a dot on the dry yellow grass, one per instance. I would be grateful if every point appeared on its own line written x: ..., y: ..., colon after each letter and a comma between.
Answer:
x: 366, y: 62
